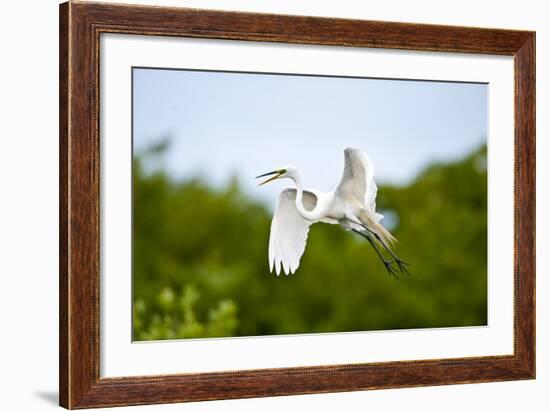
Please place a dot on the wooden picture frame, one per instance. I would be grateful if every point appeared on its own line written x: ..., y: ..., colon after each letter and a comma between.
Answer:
x: 80, y: 27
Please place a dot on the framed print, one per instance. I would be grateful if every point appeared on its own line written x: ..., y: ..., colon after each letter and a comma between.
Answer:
x: 258, y: 205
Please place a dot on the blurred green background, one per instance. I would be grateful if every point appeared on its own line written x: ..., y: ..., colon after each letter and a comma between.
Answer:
x: 201, y: 269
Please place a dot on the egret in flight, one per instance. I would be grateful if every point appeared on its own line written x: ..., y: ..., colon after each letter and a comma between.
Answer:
x: 352, y: 205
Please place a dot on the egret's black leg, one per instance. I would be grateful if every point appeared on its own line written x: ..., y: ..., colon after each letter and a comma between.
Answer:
x: 400, y: 263
x: 387, y: 263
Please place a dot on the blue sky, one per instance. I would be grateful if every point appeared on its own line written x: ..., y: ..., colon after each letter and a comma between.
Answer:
x: 227, y: 124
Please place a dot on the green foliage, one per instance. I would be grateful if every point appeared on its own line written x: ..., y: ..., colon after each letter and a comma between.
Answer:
x: 176, y: 317
x: 201, y: 269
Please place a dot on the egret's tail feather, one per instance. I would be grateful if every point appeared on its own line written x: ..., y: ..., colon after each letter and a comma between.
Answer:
x: 371, y: 223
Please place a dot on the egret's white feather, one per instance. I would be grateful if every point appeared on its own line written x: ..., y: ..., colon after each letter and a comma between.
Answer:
x: 358, y: 180
x: 289, y: 231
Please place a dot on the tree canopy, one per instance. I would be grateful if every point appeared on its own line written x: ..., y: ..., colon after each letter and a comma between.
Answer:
x: 201, y: 269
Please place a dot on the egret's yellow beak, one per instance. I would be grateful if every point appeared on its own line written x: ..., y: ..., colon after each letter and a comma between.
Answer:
x: 276, y: 174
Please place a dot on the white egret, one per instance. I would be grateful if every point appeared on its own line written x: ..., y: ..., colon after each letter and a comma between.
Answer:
x: 352, y: 205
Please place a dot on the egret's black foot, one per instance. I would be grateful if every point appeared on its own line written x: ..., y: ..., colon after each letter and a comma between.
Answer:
x: 389, y: 268
x: 402, y: 266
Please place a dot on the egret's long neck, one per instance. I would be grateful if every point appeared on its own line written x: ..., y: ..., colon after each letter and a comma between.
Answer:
x: 309, y: 215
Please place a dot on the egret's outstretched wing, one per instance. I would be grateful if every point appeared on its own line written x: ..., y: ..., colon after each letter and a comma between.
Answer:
x: 289, y: 230
x: 358, y: 179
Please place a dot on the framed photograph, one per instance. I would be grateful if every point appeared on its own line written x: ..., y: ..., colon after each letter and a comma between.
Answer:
x: 258, y: 205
